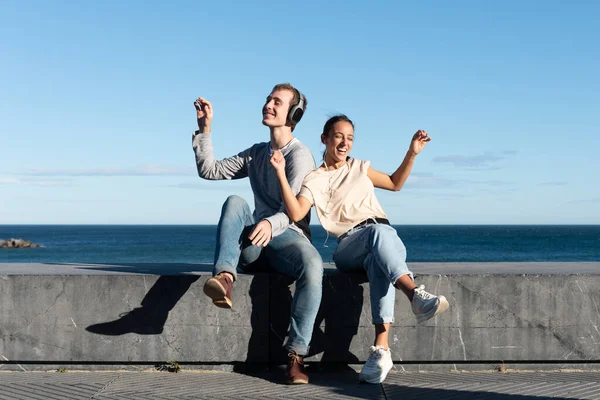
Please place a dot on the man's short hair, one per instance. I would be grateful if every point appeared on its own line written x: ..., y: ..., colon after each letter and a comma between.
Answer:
x: 296, y: 98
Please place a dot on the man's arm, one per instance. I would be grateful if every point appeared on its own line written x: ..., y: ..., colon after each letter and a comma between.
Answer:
x: 297, y: 167
x: 208, y: 167
x: 299, y: 163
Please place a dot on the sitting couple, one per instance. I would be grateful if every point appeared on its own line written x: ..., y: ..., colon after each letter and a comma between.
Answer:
x: 286, y: 184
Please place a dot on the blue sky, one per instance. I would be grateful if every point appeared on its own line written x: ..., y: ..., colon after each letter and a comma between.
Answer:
x: 96, y: 112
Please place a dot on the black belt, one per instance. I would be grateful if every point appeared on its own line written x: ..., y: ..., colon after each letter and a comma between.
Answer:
x: 370, y: 221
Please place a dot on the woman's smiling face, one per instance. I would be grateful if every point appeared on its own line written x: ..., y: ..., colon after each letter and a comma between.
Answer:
x: 338, y: 142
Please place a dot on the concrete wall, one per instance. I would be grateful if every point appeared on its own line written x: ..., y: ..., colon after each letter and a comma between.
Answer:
x: 525, y: 312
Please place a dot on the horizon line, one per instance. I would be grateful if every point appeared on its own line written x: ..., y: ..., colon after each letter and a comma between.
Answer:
x: 312, y: 225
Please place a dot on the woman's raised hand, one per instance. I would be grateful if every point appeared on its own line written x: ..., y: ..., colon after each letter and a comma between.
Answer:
x: 419, y: 140
x: 278, y: 162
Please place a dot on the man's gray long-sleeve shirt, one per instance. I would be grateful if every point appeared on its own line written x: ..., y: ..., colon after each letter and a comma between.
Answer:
x: 254, y: 164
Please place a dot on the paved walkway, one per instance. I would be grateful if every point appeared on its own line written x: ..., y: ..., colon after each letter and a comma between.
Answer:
x: 230, y: 385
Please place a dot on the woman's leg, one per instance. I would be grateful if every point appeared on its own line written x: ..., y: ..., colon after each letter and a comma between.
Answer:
x: 354, y: 253
x: 406, y: 284
x: 357, y: 251
x: 389, y: 254
x: 382, y: 335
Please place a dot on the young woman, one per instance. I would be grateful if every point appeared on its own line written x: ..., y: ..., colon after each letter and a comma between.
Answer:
x: 342, y: 190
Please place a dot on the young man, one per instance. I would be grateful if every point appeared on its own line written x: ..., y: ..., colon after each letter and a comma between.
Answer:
x: 243, y: 235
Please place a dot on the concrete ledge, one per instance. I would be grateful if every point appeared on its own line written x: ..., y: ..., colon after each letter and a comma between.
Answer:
x: 148, y: 313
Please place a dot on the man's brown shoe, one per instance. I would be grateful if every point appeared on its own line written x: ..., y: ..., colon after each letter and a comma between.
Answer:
x: 295, y: 370
x: 219, y: 290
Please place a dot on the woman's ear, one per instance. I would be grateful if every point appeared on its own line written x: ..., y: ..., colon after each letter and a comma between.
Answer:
x: 322, y: 138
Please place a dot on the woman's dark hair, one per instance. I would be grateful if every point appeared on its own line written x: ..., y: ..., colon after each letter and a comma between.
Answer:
x: 331, y: 122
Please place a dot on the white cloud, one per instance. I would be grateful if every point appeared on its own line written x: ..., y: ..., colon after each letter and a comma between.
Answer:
x: 213, y: 185
x: 584, y: 201
x: 486, y: 161
x: 32, y: 181
x: 555, y: 183
x: 143, y: 170
x: 429, y: 181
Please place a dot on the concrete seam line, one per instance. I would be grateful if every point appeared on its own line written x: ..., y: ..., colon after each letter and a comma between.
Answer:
x: 105, y: 386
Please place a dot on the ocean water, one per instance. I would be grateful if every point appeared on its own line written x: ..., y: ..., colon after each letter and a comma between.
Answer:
x: 194, y: 244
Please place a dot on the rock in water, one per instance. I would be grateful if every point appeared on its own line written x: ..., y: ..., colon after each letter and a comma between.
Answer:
x: 17, y: 244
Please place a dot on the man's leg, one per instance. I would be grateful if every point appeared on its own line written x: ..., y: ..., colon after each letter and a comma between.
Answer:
x: 294, y: 256
x: 231, y: 246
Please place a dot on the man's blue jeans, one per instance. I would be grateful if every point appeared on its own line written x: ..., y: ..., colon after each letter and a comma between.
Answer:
x: 288, y: 253
x: 377, y: 249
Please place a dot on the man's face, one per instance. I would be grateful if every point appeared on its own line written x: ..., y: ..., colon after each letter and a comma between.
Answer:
x: 276, y: 108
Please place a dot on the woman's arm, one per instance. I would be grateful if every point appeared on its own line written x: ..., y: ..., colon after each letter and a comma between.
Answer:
x: 296, y: 207
x: 397, y: 179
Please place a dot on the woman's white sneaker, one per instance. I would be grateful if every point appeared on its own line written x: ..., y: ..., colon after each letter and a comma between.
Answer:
x: 377, y: 366
x: 426, y: 305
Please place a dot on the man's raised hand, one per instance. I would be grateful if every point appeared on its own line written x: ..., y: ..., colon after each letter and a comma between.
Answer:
x: 204, y: 113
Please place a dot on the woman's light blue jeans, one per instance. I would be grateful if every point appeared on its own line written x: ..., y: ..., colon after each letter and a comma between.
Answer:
x: 289, y: 253
x: 377, y: 249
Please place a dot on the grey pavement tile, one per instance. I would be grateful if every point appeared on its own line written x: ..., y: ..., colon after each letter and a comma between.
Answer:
x: 482, y: 385
x: 265, y: 386
x: 52, y: 385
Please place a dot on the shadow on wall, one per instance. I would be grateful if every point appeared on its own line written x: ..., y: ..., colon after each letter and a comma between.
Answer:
x: 340, y: 317
x: 150, y: 318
